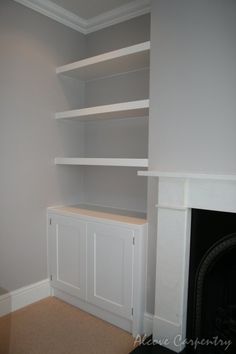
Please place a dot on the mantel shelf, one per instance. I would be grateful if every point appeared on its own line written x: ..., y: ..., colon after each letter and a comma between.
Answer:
x: 135, y: 57
x: 138, y: 108
x: 101, y: 162
x: 187, y: 175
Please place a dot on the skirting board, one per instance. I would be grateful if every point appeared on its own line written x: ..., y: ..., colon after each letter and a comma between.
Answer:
x: 27, y: 295
x: 22, y: 297
x: 148, y: 324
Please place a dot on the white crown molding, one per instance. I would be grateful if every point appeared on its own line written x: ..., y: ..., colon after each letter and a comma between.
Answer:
x: 57, y: 13
x: 69, y: 19
x: 120, y: 14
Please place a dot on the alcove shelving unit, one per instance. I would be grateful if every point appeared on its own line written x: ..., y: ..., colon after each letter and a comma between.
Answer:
x: 97, y: 253
x: 125, y: 60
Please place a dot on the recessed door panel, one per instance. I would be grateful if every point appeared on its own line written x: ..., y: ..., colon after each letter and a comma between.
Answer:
x: 69, y: 259
x: 110, y: 268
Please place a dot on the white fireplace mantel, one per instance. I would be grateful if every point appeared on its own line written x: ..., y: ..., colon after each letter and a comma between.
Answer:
x: 187, y: 175
x: 178, y: 193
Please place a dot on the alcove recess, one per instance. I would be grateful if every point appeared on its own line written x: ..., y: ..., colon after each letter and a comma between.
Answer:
x: 112, y: 111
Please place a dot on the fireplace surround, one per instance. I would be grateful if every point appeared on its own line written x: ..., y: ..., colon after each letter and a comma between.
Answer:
x: 178, y: 194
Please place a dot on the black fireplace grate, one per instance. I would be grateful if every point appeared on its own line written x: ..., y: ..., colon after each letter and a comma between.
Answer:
x: 225, y: 327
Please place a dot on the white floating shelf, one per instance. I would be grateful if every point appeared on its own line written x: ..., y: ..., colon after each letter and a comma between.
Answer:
x: 111, y: 111
x: 101, y: 162
x: 127, y: 59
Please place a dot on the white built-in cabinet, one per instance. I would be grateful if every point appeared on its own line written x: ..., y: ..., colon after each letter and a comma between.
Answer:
x: 97, y: 262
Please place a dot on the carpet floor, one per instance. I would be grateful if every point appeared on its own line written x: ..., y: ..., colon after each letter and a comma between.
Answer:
x: 51, y: 326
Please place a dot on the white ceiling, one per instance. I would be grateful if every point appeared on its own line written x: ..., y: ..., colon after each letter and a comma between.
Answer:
x: 87, y: 16
x: 90, y: 8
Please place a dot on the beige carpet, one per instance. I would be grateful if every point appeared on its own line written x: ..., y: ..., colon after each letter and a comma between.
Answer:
x: 51, y: 326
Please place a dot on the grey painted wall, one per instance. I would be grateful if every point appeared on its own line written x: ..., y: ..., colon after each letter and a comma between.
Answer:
x: 123, y: 34
x: 31, y: 47
x: 193, y: 86
x: 115, y: 187
x: 192, y: 123
x: 120, y: 88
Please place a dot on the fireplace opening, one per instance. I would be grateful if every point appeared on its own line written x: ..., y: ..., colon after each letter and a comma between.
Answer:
x: 211, y: 318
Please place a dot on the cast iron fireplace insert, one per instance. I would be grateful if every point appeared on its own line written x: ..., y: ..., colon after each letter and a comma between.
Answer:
x: 211, y: 319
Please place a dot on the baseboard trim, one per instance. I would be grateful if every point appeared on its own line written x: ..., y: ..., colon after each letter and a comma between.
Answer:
x: 148, y: 323
x: 22, y: 297
x: 27, y: 295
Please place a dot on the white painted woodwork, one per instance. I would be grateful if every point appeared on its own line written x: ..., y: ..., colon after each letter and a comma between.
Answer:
x: 110, y: 268
x: 99, y: 263
x: 131, y: 109
x: 121, y: 322
x: 177, y: 194
x: 88, y: 24
x: 100, y: 212
x: 27, y: 295
x: 101, y: 162
x: 123, y: 60
x: 188, y: 175
x: 67, y: 245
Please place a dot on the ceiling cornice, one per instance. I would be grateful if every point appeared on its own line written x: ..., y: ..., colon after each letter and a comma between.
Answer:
x: 57, y: 13
x: 120, y: 14
x: 69, y: 19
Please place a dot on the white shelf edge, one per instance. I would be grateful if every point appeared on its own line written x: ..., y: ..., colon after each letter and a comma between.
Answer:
x: 100, y: 212
x: 115, y: 54
x: 187, y: 175
x: 105, y: 109
x: 101, y: 162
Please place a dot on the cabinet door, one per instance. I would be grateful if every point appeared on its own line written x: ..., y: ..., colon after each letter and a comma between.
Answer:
x: 110, y: 268
x: 67, y: 253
